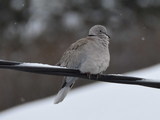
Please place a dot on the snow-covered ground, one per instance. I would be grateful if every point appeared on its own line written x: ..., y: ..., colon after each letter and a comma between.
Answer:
x: 99, y: 101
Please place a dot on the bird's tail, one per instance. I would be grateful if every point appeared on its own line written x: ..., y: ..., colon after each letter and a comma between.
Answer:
x: 66, y: 86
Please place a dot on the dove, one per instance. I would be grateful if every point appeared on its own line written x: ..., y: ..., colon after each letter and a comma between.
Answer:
x: 89, y: 55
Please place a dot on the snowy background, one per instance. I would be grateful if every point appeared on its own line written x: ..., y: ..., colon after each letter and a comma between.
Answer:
x: 97, y: 101
x: 40, y: 31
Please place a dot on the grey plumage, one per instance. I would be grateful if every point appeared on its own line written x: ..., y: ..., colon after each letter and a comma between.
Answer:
x: 89, y: 55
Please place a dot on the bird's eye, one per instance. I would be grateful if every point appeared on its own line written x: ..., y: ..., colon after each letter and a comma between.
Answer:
x: 100, y: 31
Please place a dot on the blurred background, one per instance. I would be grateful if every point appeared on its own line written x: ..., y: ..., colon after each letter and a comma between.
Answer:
x: 41, y: 30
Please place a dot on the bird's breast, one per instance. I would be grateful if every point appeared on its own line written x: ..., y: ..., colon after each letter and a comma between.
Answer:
x: 96, y: 59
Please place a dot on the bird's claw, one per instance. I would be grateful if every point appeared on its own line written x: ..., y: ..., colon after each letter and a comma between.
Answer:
x: 88, y: 75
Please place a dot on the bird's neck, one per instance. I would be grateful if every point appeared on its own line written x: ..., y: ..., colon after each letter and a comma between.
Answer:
x: 102, y: 36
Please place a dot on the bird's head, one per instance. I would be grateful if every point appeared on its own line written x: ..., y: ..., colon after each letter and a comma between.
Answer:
x: 98, y: 30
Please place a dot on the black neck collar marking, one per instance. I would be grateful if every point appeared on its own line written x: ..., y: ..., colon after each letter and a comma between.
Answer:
x: 91, y: 35
x: 96, y: 35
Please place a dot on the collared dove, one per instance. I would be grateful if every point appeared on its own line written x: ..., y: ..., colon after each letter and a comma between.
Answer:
x: 89, y: 55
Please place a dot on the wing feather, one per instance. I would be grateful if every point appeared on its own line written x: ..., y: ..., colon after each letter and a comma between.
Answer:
x: 72, y: 58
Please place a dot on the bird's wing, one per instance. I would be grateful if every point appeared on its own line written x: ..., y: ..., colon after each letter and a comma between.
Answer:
x: 73, y: 57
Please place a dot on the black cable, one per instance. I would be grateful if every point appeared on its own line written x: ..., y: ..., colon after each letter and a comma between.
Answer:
x: 56, y: 70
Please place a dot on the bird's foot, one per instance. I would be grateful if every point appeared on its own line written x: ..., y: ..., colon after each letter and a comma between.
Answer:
x: 98, y: 75
x: 88, y: 75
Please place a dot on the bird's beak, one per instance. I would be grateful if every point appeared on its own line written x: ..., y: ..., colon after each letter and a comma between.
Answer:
x: 106, y: 35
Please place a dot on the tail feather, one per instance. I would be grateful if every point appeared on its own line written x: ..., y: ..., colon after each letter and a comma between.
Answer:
x: 66, y: 86
x: 62, y: 94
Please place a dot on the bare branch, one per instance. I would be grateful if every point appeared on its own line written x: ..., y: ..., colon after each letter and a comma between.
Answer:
x: 61, y: 71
